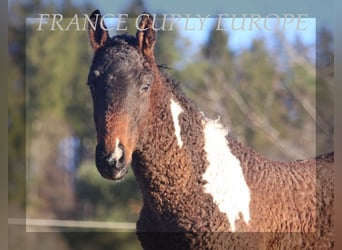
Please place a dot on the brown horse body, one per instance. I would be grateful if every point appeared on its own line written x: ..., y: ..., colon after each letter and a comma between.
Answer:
x: 201, y: 188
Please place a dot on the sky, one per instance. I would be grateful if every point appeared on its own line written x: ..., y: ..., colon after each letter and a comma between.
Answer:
x: 197, y: 33
x: 242, y: 39
x: 238, y: 40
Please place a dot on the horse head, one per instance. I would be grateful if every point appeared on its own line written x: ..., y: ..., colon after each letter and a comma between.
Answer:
x: 121, y: 76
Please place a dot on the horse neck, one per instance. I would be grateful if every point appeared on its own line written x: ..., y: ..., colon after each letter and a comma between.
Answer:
x: 179, y: 169
x: 175, y: 136
x: 171, y: 153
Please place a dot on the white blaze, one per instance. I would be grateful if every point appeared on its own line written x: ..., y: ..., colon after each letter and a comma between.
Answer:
x: 176, y: 110
x: 225, y: 180
x: 116, y: 155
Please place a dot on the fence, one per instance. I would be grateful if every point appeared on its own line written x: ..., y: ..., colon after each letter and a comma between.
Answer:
x: 48, y: 225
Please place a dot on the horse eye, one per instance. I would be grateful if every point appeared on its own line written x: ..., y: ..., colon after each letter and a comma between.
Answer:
x: 145, y: 87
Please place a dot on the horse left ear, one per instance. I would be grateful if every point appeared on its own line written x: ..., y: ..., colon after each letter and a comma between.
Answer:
x: 97, y: 31
x: 146, y: 36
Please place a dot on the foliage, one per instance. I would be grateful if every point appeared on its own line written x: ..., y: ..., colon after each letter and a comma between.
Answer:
x: 105, y: 200
x: 325, y: 90
x: 49, y: 102
x: 164, y: 48
x: 63, y: 77
x: 267, y: 96
x: 16, y: 105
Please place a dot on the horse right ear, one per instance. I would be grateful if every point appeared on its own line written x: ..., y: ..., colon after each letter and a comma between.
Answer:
x: 146, y: 37
x: 97, y: 31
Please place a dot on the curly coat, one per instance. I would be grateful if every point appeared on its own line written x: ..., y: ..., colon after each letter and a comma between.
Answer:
x: 291, y: 203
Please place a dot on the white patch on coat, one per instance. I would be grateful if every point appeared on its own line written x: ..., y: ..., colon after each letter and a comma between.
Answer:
x: 225, y: 180
x: 176, y: 110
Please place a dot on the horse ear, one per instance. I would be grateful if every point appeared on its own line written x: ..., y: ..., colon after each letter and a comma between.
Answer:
x: 146, y: 36
x: 97, y: 31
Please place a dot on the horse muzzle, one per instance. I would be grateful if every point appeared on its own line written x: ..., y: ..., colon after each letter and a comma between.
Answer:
x: 113, y: 165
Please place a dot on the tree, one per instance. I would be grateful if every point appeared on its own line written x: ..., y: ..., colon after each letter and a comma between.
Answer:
x: 50, y: 68
x: 164, y: 48
x: 216, y: 49
x: 17, y: 112
x: 17, y: 101
x: 325, y: 91
x: 203, y: 79
x: 265, y: 96
x: 103, y: 200
x: 135, y: 8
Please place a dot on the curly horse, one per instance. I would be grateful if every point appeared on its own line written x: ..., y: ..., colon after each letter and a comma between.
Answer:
x: 201, y: 188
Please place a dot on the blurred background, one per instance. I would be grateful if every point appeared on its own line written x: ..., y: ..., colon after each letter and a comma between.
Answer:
x: 272, y: 89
